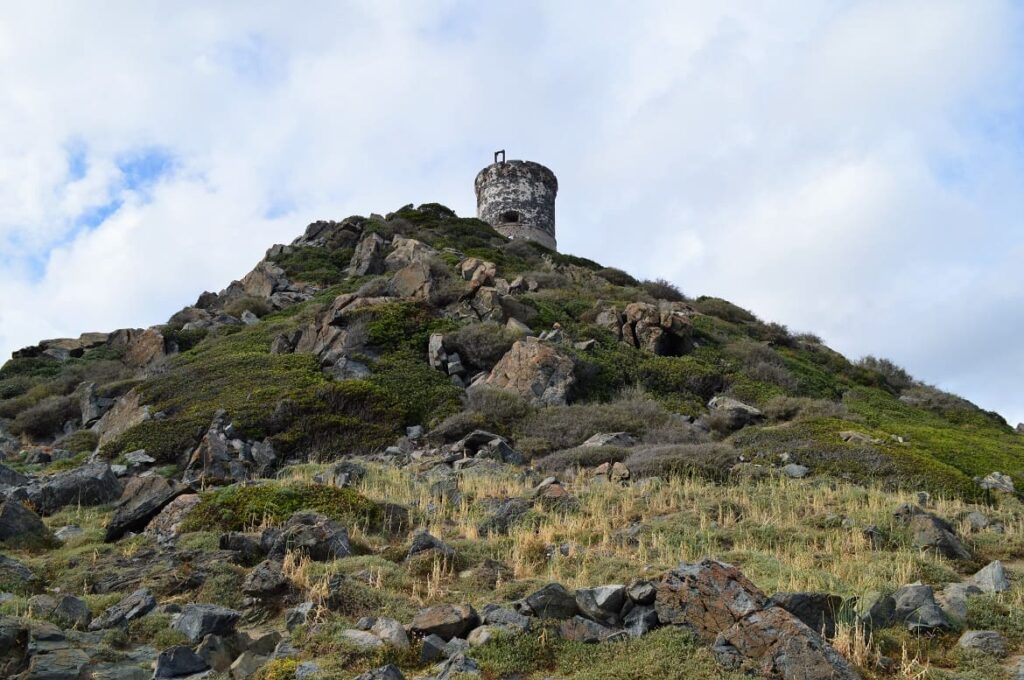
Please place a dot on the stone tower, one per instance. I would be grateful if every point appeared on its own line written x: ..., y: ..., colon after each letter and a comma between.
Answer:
x: 517, y: 198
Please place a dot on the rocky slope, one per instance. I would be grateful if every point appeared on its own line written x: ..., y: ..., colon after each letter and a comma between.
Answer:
x: 404, y: 446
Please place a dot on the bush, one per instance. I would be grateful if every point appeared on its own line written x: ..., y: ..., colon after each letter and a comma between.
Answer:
x: 481, y: 344
x: 421, y: 395
x: 78, y: 442
x: 892, y: 376
x: 661, y: 289
x: 781, y: 408
x: 711, y: 461
x: 617, y: 277
x: 582, y: 457
x: 502, y: 408
x: 236, y: 508
x: 257, y: 306
x: 723, y: 309
x: 45, y: 418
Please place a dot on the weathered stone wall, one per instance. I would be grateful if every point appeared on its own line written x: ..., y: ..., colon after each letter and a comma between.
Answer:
x: 517, y: 198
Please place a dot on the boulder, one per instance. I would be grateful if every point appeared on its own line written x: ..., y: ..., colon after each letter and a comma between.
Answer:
x: 817, y: 610
x: 579, y: 629
x: 997, y: 481
x: 14, y: 574
x: 126, y: 413
x: 954, y: 600
x: 640, y: 620
x: 265, y: 579
x: 423, y: 542
x: 246, y: 665
x: 988, y: 642
x: 708, y: 597
x: 416, y: 280
x: 602, y: 604
x: 391, y: 632
x: 71, y: 612
x: 915, y: 605
x: 538, y: 372
x: 362, y: 639
x: 166, y: 526
x: 406, y: 251
x: 504, y: 619
x: 10, y: 477
x: 931, y: 534
x: 623, y: 439
x: 19, y: 526
x: 134, y: 606
x: 447, y: 621
x: 783, y: 646
x: 389, y: 672
x: 734, y: 413
x: 199, y: 620
x: 368, y: 257
x: 552, y: 601
x: 178, y: 662
x: 144, y: 348
x: 214, y: 460
x: 992, y: 578
x: 142, y: 500
x: 795, y: 471
x: 91, y: 484
x: 65, y: 663
x: 219, y: 651
x: 316, y: 535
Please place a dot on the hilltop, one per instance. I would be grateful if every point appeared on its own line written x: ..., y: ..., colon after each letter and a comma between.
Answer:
x: 399, y: 431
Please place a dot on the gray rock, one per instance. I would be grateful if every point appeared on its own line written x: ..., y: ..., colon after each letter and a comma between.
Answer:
x: 445, y: 620
x: 642, y: 592
x: 143, y: 499
x: 817, y: 610
x: 954, y: 598
x: 579, y: 629
x: 977, y: 521
x: 362, y: 639
x: 220, y: 651
x: 139, y: 457
x: 602, y: 604
x: 306, y: 670
x: 992, y: 578
x: 67, y: 532
x: 455, y: 667
x: 735, y: 413
x: 392, y: 632
x: 72, y: 612
x: 424, y: 542
x: 988, y: 642
x: 297, y: 616
x: 795, y: 471
x: 929, y: 533
x: 505, y: 618
x: 10, y: 477
x: 178, y: 662
x: 640, y: 620
x: 134, y: 606
x: 389, y: 672
x: 320, y: 537
x: 19, y: 526
x: 552, y: 601
x: 368, y: 257
x: 198, y: 620
x: 92, y: 484
x: 67, y: 663
x: 623, y: 439
x: 997, y: 481
x: 432, y: 648
x: 246, y: 665
x: 504, y: 515
x: 266, y: 578
x: 916, y: 606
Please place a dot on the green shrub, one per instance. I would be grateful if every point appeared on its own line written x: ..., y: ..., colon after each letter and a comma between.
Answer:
x: 236, y: 508
x: 15, y: 386
x: 617, y: 277
x: 660, y: 289
x: 891, y: 376
x: 258, y: 306
x: 46, y: 418
x: 419, y: 393
x: 78, y: 442
x: 481, y: 344
x: 582, y: 457
x: 711, y: 461
x: 323, y: 266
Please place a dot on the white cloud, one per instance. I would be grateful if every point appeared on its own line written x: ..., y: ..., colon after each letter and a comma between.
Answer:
x: 848, y: 168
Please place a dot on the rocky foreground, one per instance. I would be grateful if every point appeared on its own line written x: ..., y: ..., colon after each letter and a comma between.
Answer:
x: 404, y: 447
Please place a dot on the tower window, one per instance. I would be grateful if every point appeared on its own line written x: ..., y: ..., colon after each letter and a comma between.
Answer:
x: 510, y: 216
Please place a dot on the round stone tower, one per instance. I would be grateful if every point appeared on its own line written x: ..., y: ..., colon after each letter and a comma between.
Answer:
x: 517, y: 198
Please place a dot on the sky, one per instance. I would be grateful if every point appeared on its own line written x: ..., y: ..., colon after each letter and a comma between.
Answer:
x: 854, y: 169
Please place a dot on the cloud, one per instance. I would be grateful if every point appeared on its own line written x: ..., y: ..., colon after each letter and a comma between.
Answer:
x: 851, y: 168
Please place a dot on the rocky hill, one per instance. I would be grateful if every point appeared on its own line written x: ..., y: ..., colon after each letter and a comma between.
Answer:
x: 405, y: 446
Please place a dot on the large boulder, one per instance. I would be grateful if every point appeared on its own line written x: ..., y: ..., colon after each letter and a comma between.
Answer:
x: 988, y: 642
x: 915, y: 605
x: 734, y: 413
x: 537, y: 371
x: 91, y: 484
x: 991, y: 578
x: 932, y: 534
x: 552, y: 601
x: 199, y: 620
x: 602, y: 604
x: 126, y: 413
x: 997, y: 481
x: 783, y: 646
x: 708, y: 597
x: 215, y: 460
x: 316, y: 535
x: 178, y: 662
x: 142, y: 500
x: 19, y: 526
x: 134, y: 606
x: 446, y: 621
x: 11, y: 477
x: 166, y: 526
x: 817, y: 610
x: 368, y: 257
